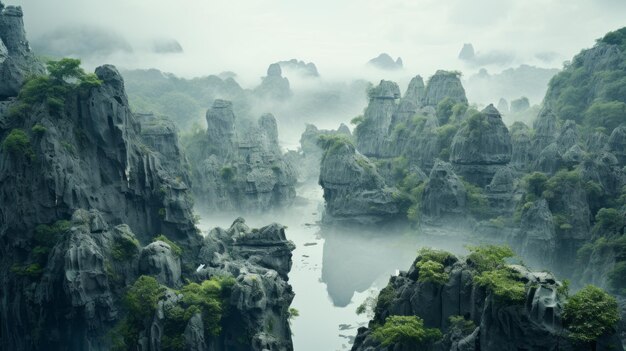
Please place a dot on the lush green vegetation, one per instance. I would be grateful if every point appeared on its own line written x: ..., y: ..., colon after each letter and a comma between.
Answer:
x: 431, y: 265
x: 64, y: 77
x: 589, y: 314
x: 46, y: 236
x: 33, y: 270
x: 386, y: 295
x: 331, y: 143
x: 124, y: 247
x: 227, y: 173
x: 209, y: 299
x: 38, y: 129
x: 17, y: 143
x: 408, y: 331
x: 493, y: 273
x: 476, y: 200
x: 177, y: 250
x: 592, y: 97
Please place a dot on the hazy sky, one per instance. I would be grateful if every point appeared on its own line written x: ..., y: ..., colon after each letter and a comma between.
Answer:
x: 338, y: 35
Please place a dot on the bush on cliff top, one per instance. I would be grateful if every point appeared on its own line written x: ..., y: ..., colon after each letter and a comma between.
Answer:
x: 589, y: 314
x: 407, y: 331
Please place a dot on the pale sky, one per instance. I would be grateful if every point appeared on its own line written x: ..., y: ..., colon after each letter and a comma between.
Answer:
x: 338, y: 35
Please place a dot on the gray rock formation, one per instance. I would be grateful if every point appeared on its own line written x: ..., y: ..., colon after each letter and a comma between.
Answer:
x: 467, y: 52
x: 617, y: 144
x: 521, y: 146
x: 520, y: 105
x: 536, y: 238
x: 372, y: 134
x: 17, y: 62
x: 240, y: 166
x: 303, y: 68
x: 494, y: 324
x: 385, y: 62
x: 353, y: 189
x: 157, y: 259
x: 444, y: 196
x: 409, y: 103
x: 481, y: 147
x: 274, y: 85
x: 444, y: 84
x: 307, y: 161
x: 260, y: 260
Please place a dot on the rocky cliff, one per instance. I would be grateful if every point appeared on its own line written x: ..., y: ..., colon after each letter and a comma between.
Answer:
x: 17, y: 62
x: 95, y: 205
x: 459, y: 312
x: 239, y: 166
x: 353, y: 189
x: 274, y: 85
x: 481, y: 147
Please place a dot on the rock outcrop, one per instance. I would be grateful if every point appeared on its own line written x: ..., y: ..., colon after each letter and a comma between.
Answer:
x: 274, y: 85
x: 239, y: 166
x: 443, y: 85
x: 488, y: 323
x: 372, y: 134
x: 305, y: 69
x: 481, y: 147
x: 17, y: 62
x: 353, y: 189
x: 385, y: 62
x: 444, y: 196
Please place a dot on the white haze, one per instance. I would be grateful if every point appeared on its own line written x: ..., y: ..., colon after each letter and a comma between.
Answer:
x: 339, y: 36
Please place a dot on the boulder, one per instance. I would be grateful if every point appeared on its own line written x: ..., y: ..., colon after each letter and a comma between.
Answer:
x: 157, y: 259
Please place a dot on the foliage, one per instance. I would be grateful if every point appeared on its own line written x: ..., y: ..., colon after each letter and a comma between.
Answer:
x: 405, y: 330
x: 357, y: 120
x: 38, y: 129
x: 331, y: 143
x: 606, y: 114
x: 535, y: 184
x: 33, y: 270
x: 444, y: 110
x: 488, y: 257
x: 431, y: 271
x: 563, y: 289
x: 124, y: 247
x: 609, y: 219
x: 386, y: 295
x: 617, y: 278
x: 292, y: 313
x: 617, y: 37
x: 65, y: 76
x: 476, y: 200
x: 177, y: 250
x: 209, y: 298
x: 49, y: 235
x: 227, y: 173
x: 590, y: 313
x: 18, y: 143
x: 142, y: 297
x: 504, y: 283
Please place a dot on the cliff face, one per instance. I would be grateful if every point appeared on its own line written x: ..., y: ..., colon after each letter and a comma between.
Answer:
x: 488, y: 322
x: 17, y: 62
x: 238, y: 166
x: 481, y: 147
x: 353, y: 189
x: 93, y: 200
x: 442, y: 85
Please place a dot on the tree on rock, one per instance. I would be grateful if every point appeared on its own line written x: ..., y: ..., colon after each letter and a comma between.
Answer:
x: 589, y: 314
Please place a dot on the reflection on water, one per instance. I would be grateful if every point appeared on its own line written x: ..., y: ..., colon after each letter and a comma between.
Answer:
x: 335, y: 269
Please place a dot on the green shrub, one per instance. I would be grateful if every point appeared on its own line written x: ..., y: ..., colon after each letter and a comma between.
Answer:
x: 608, y: 114
x: 357, y: 120
x: 38, y: 129
x: 617, y: 278
x: 444, y: 110
x: 590, y: 313
x: 385, y: 297
x: 476, y: 200
x: 292, y: 313
x: 209, y: 297
x: 142, y: 297
x: 33, y: 270
x: 406, y: 331
x: 535, y: 184
x: 227, y: 173
x: 177, y: 250
x: 18, y: 143
x: 49, y: 235
x: 124, y: 248
x: 431, y: 271
x: 504, y: 283
x: 488, y: 257
x: 609, y: 219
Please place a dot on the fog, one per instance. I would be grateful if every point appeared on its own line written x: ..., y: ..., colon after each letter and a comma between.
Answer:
x: 245, y: 36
